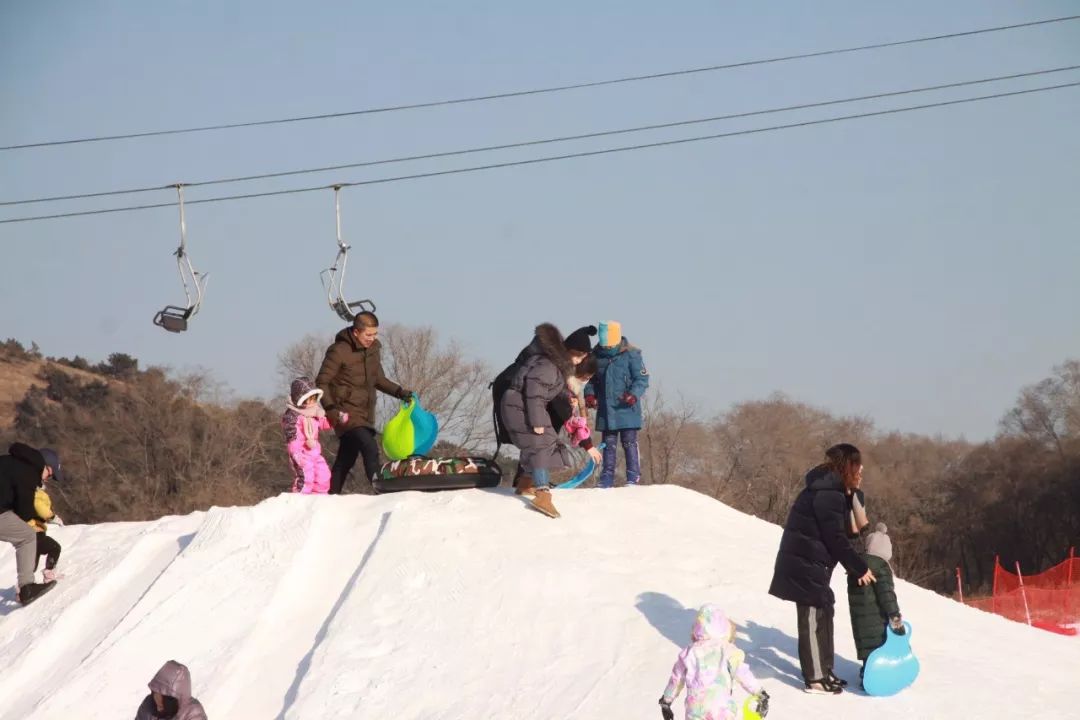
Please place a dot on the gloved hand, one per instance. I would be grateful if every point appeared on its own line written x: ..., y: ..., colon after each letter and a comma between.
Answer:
x: 665, y: 710
x: 897, y: 624
x: 629, y: 398
x: 763, y: 703
x: 405, y: 394
x: 590, y: 402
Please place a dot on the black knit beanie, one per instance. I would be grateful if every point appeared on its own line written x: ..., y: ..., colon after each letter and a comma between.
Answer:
x: 578, y: 340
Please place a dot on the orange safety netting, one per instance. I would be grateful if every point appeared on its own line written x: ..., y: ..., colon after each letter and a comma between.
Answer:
x: 1050, y: 599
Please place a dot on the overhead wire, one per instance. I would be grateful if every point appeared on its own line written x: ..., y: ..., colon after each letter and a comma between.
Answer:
x: 553, y: 158
x: 544, y: 141
x: 543, y: 90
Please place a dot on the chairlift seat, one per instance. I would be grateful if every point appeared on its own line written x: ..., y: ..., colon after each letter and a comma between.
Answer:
x: 347, y: 311
x: 173, y: 318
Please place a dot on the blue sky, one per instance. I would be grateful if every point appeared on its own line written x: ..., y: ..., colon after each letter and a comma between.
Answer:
x: 917, y: 268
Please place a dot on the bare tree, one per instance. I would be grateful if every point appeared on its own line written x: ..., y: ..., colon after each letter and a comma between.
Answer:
x: 1048, y: 412
x: 767, y: 446
x: 302, y: 358
x: 664, y: 436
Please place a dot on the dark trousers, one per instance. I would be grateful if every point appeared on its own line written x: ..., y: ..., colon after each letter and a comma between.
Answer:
x: 629, y: 440
x: 356, y: 442
x: 815, y: 641
x: 49, y: 548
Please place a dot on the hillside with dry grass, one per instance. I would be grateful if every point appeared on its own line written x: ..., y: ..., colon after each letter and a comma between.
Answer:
x: 21, y: 369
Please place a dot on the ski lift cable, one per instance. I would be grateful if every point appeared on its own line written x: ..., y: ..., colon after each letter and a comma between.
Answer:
x: 547, y: 90
x: 553, y: 158
x: 547, y: 141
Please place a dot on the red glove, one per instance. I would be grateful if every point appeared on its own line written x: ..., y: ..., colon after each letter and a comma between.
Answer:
x: 590, y: 402
x: 629, y: 399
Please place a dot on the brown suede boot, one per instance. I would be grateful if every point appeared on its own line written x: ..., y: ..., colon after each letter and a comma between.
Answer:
x: 525, y: 486
x: 542, y: 502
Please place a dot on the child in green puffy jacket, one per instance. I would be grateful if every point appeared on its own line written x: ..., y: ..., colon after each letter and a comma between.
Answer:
x: 873, y: 606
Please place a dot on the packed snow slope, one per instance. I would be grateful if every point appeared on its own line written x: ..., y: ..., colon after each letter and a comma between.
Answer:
x: 465, y: 605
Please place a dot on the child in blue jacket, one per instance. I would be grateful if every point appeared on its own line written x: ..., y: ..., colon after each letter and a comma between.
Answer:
x: 615, y: 392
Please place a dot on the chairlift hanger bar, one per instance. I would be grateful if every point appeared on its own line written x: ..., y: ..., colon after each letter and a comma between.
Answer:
x: 333, y: 278
x: 174, y: 318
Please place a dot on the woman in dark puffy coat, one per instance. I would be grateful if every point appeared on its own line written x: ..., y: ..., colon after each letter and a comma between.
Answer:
x: 815, y: 539
x: 540, y: 375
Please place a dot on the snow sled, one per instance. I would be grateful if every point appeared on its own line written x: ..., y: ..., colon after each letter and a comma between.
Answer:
x: 412, y: 431
x: 751, y: 709
x: 893, y: 666
x: 422, y: 473
x: 584, y: 474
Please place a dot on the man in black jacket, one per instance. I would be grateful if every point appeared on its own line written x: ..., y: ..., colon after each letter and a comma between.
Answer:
x: 20, y: 471
x: 816, y: 539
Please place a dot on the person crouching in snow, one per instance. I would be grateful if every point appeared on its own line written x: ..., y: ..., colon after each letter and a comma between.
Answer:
x: 874, y: 606
x: 710, y: 667
x: 170, y: 696
x: 542, y: 371
x: 302, y: 422
x: 21, y: 471
x: 43, y: 513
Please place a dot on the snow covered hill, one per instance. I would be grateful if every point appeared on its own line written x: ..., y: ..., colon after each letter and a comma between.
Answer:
x: 467, y: 605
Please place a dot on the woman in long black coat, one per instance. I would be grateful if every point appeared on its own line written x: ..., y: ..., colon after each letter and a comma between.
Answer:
x: 816, y: 539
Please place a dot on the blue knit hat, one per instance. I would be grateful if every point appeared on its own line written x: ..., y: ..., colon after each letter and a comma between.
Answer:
x: 52, y: 459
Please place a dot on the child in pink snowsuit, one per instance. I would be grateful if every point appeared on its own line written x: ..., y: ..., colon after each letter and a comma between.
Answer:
x: 302, y: 422
x: 577, y: 427
x: 709, y: 668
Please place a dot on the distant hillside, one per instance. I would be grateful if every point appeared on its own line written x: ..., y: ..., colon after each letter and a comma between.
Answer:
x: 20, y: 368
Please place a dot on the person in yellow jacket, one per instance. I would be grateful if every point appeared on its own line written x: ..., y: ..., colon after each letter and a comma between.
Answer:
x: 43, y: 513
